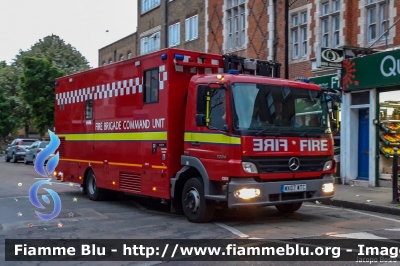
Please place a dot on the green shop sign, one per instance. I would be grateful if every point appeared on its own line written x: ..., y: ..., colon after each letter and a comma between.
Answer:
x: 329, y: 81
x: 371, y: 71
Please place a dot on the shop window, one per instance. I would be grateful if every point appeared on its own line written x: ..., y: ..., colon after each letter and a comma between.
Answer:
x: 151, y: 86
x: 360, y: 98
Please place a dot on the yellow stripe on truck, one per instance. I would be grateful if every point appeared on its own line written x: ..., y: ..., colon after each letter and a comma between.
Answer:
x: 124, y: 136
x: 212, y: 138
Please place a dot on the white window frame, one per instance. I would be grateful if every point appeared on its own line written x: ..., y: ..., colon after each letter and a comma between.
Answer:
x: 377, y: 8
x: 299, y: 27
x: 148, y: 5
x: 330, y: 12
x: 174, y: 34
x: 150, y: 43
x: 191, y: 28
x: 236, y: 17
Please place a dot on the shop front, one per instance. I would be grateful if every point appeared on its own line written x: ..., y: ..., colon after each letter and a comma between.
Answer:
x: 370, y: 117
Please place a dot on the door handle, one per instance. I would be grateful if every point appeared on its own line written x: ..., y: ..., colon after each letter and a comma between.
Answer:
x: 196, y: 143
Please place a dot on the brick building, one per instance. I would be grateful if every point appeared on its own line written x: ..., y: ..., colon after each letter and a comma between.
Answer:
x: 256, y: 29
x: 161, y: 24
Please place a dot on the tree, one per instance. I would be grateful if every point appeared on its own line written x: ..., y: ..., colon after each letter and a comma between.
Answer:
x: 63, y: 56
x: 6, y: 123
x: 37, y: 84
x: 9, y: 85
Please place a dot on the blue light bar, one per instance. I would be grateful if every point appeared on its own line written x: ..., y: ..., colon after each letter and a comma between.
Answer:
x: 305, y: 80
x: 179, y: 57
x: 163, y: 56
x: 233, y: 71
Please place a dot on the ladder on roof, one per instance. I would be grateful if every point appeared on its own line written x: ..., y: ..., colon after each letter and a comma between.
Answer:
x: 251, y: 66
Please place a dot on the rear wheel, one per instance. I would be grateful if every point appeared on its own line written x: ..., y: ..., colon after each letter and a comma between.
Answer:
x: 196, y: 208
x: 94, y: 193
x: 289, y: 207
x: 14, y: 158
x: 25, y: 161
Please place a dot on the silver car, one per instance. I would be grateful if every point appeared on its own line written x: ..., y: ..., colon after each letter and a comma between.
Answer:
x: 33, y: 151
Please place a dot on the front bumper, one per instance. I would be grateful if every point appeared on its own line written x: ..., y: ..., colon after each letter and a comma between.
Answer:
x: 271, y: 193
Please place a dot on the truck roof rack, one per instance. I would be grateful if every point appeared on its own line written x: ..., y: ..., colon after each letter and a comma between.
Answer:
x: 251, y: 66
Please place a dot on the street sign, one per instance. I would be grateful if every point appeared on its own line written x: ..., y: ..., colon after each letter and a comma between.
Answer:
x: 329, y: 58
x: 328, y: 81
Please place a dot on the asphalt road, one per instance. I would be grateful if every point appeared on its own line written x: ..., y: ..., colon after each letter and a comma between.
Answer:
x: 136, y: 218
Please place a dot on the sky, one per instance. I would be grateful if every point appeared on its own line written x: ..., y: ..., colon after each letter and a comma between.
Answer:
x: 81, y: 23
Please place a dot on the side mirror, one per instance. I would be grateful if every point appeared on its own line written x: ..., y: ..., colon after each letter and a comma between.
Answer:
x: 200, y: 120
x: 9, y: 145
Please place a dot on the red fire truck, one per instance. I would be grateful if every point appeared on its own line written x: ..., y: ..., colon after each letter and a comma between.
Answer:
x: 195, y: 130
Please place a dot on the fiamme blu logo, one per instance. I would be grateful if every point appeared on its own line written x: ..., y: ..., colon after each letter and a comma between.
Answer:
x: 46, y: 169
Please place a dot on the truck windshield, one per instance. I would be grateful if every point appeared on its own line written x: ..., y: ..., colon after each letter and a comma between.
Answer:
x: 263, y: 109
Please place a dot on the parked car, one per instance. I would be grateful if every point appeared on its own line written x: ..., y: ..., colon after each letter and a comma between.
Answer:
x: 17, y: 149
x: 33, y: 150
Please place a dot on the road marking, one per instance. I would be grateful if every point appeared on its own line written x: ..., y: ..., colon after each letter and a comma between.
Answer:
x: 393, y: 229
x: 368, y: 214
x: 232, y: 230
x: 359, y: 235
x: 51, y: 182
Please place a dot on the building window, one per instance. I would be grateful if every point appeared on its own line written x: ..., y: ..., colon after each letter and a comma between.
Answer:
x: 330, y: 23
x: 151, y: 89
x: 110, y: 61
x: 299, y: 34
x: 377, y: 19
x: 149, y: 4
x: 191, y: 28
x: 174, y: 34
x: 104, y: 63
x: 121, y: 57
x: 236, y: 24
x: 150, y: 43
x: 129, y: 55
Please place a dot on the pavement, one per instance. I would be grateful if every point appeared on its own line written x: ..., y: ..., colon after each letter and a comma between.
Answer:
x: 375, y: 199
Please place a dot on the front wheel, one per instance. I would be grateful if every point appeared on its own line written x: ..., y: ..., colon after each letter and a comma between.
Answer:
x: 289, y: 207
x: 196, y: 208
x: 6, y: 158
x: 14, y: 158
x: 94, y: 193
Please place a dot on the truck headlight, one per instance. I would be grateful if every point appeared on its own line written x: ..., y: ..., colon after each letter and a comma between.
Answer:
x: 328, y: 165
x: 249, y: 168
x: 328, y: 188
x: 247, y: 193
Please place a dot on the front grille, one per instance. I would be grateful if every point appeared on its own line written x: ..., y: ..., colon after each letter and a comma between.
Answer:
x: 267, y: 165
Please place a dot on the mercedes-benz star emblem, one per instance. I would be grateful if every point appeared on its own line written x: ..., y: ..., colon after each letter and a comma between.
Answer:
x: 294, y: 163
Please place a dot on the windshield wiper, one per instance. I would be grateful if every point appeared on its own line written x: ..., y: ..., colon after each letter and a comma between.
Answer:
x: 269, y: 134
x: 305, y: 134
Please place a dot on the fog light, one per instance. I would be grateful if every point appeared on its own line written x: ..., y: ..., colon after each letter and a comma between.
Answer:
x: 55, y: 173
x: 328, y: 166
x: 247, y: 193
x: 328, y: 188
x: 249, y: 168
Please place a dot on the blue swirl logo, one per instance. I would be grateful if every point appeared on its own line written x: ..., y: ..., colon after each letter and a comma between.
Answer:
x: 40, y: 169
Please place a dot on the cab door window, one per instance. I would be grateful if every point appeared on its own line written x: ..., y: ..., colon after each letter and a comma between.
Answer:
x: 217, y: 108
x: 151, y: 86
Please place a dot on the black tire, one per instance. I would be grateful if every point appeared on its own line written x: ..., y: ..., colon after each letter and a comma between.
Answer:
x: 94, y: 193
x: 14, y: 158
x: 196, y: 208
x: 25, y: 161
x: 289, y: 207
x: 6, y: 158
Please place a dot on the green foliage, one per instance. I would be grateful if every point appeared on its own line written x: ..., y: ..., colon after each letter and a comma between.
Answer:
x: 6, y: 123
x: 63, y: 56
x: 37, y: 84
